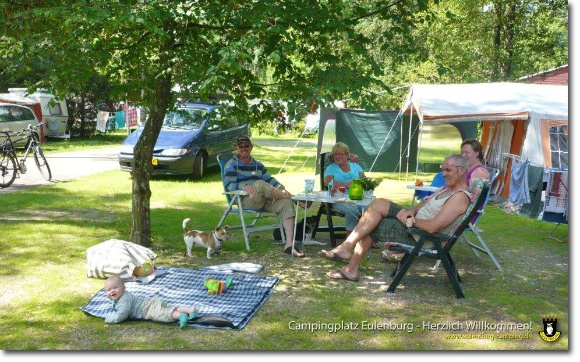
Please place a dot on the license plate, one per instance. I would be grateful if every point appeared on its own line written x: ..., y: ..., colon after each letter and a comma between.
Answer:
x: 154, y: 162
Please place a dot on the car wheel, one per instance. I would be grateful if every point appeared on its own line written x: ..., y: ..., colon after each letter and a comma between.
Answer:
x: 198, y: 166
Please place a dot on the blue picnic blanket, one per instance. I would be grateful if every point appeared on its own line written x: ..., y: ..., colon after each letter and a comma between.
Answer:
x: 184, y: 287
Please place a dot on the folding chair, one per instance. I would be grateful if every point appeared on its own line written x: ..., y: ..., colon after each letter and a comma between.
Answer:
x: 438, y: 181
x: 443, y: 243
x: 476, y: 231
x: 482, y: 247
x: 556, y: 200
x: 235, y: 206
x: 326, y: 208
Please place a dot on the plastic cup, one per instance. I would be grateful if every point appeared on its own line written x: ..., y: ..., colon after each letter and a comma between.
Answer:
x: 308, y: 186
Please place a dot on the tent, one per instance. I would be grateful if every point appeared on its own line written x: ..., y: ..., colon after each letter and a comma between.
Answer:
x: 519, y: 121
x: 375, y: 137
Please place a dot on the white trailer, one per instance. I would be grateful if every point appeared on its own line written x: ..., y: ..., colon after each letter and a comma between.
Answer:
x: 54, y: 112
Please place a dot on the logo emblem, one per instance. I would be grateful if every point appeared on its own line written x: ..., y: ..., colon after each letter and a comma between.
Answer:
x: 550, y: 333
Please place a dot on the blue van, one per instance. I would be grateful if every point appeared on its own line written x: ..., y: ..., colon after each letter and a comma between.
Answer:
x: 190, y: 140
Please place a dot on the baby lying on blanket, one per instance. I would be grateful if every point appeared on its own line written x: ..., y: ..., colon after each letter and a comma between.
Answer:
x: 129, y: 306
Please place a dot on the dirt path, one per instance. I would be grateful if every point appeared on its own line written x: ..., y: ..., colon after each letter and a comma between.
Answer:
x: 67, y: 166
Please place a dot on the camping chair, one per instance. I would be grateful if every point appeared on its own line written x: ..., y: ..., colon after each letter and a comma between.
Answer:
x: 443, y: 243
x: 438, y: 181
x: 235, y: 206
x: 482, y: 247
x: 326, y: 208
x: 556, y: 200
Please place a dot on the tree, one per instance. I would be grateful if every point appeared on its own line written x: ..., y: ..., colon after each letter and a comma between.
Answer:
x: 483, y: 41
x: 297, y: 51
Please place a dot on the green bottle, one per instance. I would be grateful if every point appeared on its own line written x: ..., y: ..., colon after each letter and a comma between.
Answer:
x: 356, y: 190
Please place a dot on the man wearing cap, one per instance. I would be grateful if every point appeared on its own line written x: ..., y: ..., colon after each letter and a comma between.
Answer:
x: 264, y: 192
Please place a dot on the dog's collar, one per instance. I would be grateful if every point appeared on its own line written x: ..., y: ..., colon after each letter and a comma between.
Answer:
x: 217, y: 237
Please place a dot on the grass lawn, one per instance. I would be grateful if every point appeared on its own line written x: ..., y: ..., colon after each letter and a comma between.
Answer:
x: 46, y: 231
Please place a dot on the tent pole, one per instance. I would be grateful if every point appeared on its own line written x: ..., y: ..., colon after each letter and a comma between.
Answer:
x: 419, y: 147
x: 409, y: 145
x: 401, y: 149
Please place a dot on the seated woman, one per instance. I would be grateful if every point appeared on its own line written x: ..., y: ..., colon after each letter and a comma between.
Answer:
x: 472, y: 151
x: 340, y: 173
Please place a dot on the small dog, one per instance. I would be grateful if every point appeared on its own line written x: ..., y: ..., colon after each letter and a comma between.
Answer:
x: 212, y: 240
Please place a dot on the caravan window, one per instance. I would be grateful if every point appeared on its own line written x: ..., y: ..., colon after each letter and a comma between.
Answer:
x: 10, y: 113
x: 21, y: 114
x: 559, y: 146
x: 54, y: 109
x: 4, y: 114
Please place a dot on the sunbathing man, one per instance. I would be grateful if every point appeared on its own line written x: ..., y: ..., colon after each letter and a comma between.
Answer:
x: 386, y: 221
x: 264, y: 192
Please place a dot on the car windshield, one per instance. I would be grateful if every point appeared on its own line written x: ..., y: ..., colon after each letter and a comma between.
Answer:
x: 189, y: 118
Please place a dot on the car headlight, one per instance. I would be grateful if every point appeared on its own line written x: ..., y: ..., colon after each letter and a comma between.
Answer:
x: 174, y: 152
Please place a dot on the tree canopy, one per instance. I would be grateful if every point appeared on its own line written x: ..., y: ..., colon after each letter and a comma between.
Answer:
x: 299, y: 51
x: 302, y: 53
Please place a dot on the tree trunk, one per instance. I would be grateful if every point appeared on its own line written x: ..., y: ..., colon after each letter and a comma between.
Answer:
x: 495, y: 71
x: 510, y: 26
x: 503, y: 39
x: 143, y: 154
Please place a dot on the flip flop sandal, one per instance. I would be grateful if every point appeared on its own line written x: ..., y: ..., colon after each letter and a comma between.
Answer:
x: 294, y: 252
x: 343, y: 276
x: 335, y: 257
x: 390, y: 257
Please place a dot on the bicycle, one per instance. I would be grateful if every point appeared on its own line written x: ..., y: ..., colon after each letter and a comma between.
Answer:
x: 9, y: 164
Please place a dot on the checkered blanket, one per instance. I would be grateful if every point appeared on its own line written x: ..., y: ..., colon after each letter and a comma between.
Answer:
x: 184, y: 287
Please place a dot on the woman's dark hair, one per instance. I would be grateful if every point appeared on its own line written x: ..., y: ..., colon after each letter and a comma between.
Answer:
x: 476, y: 146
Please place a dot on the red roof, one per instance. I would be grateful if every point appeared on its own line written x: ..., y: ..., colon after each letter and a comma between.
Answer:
x: 556, y: 76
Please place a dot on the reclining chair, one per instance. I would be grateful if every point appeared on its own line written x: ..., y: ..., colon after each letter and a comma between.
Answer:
x: 235, y: 206
x: 325, y: 208
x: 443, y: 243
x: 482, y: 246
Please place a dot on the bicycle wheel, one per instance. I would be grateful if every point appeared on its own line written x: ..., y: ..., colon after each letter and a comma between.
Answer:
x: 41, y: 163
x: 7, y: 169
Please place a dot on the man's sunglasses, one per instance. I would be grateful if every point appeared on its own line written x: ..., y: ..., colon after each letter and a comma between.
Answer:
x: 244, y: 146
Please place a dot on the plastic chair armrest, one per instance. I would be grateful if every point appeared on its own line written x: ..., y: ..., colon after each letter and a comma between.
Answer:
x: 235, y: 192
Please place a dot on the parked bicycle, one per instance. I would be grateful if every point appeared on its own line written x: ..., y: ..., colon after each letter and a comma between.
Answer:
x: 9, y: 163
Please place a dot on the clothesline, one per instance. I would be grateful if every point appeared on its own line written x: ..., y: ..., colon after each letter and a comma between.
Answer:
x: 519, y: 158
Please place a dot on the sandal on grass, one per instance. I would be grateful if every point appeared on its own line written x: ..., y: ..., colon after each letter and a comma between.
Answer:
x: 391, y: 257
x: 294, y: 252
x: 339, y: 274
x: 331, y: 255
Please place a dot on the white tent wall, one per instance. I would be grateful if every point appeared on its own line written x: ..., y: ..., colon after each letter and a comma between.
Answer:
x: 491, y: 103
x: 534, y: 137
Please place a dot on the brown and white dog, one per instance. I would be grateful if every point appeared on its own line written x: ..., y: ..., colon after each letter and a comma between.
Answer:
x: 212, y: 240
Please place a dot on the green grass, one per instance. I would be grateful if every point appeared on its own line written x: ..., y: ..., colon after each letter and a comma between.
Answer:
x: 46, y: 231
x: 77, y: 143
